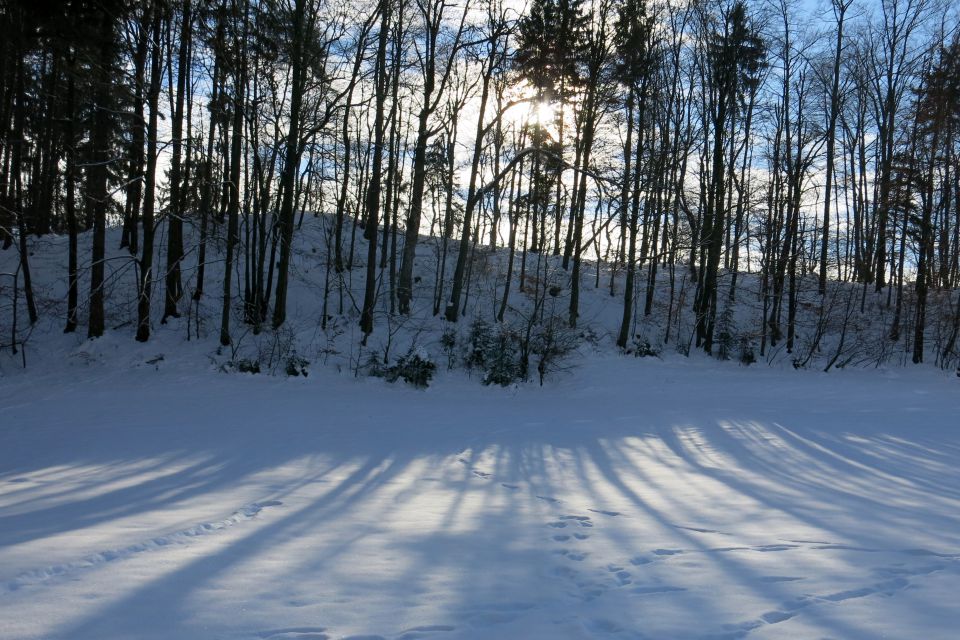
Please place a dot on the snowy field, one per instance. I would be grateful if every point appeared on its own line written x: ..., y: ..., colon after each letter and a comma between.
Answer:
x: 627, y: 499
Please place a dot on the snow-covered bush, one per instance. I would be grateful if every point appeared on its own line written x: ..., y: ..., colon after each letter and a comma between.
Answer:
x: 642, y: 348
x: 502, y: 359
x: 297, y: 366
x: 414, y: 368
x: 242, y: 365
x: 553, y: 341
x: 448, y: 343
x: 480, y: 342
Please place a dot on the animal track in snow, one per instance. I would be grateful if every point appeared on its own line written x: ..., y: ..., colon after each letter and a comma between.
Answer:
x: 295, y: 633
x: 425, y: 631
x: 775, y: 547
x: 583, y: 521
x: 565, y: 572
x: 605, y: 513
x: 699, y: 530
x: 621, y: 574
x: 656, y: 589
x: 563, y: 521
x: 773, y: 617
x: 792, y: 608
x: 780, y: 578
x: 480, y: 474
x: 887, y: 587
x: 247, y: 512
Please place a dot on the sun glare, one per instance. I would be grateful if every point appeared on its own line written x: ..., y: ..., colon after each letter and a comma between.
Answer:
x: 528, y: 110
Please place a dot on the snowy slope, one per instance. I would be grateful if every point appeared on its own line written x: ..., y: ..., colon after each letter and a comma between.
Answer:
x: 632, y: 498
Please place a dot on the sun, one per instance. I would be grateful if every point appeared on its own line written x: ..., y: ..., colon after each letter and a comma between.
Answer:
x: 526, y: 109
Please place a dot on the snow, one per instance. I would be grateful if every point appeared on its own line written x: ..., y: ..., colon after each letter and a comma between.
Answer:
x: 630, y: 498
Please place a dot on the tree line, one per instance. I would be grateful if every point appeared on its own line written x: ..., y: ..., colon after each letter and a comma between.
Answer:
x: 685, y: 141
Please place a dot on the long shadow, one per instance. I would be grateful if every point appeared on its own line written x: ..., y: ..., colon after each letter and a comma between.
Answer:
x: 386, y: 460
x: 170, y: 588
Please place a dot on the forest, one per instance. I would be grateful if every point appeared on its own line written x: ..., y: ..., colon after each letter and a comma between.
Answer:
x: 759, y: 176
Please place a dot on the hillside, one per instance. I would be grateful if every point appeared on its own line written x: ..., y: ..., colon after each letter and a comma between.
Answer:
x: 831, y: 331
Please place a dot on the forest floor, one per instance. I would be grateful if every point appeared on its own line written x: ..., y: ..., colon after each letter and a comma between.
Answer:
x: 630, y: 498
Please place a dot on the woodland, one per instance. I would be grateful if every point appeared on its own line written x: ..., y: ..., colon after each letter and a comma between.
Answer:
x: 756, y: 177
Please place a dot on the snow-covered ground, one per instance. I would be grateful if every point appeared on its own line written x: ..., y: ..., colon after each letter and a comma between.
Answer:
x: 631, y: 498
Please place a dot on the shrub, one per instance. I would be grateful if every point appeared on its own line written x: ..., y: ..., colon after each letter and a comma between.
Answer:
x: 448, y: 343
x: 643, y: 349
x: 374, y: 367
x: 296, y: 366
x: 553, y: 342
x: 479, y: 344
x: 244, y: 365
x: 502, y: 358
x: 414, y: 368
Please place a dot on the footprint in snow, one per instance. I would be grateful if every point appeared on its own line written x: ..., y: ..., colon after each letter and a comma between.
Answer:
x: 295, y: 633
x: 845, y: 547
x: 583, y: 521
x: 810, y: 542
x: 605, y: 513
x: 886, y: 588
x: 774, y: 617
x: 589, y: 595
x: 700, y: 530
x: 791, y: 608
x: 780, y: 578
x: 657, y: 589
x: 425, y: 631
x: 243, y: 514
x: 565, y: 572
x: 621, y: 574
x: 775, y: 547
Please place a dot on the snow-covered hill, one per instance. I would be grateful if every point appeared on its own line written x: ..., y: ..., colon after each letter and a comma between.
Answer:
x: 322, y: 328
